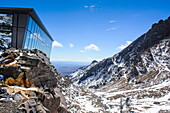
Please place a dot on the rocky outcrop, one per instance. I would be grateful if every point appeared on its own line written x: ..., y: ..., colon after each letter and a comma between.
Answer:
x: 34, y: 64
x: 30, y: 83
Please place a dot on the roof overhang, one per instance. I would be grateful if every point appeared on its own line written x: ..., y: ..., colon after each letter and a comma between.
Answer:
x: 29, y: 11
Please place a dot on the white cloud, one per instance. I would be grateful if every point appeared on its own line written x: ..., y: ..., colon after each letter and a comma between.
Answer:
x: 82, y: 51
x: 71, y: 45
x: 92, y: 47
x: 112, y: 21
x: 97, y: 59
x: 109, y: 29
x: 54, y: 60
x: 86, y: 6
x: 92, y: 6
x: 57, y: 44
x: 125, y: 45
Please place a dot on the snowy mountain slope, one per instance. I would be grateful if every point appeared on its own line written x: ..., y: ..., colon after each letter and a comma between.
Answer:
x: 144, y: 61
x: 136, y: 80
x: 139, y: 98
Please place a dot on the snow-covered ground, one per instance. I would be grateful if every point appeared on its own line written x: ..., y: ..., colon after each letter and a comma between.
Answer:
x: 146, y: 93
x: 137, y: 99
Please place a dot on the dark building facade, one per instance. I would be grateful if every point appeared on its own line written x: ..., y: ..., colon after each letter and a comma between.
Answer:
x: 22, y: 28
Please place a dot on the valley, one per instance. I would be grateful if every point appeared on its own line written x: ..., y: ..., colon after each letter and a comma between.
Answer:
x: 135, y: 80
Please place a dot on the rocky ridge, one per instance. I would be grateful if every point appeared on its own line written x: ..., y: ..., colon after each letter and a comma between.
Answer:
x: 146, y: 59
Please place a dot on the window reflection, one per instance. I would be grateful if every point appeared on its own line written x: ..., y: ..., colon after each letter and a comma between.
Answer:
x: 5, y: 31
x: 36, y: 38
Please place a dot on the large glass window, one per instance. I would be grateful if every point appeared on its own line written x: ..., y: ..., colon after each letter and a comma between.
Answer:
x: 5, y: 31
x: 29, y: 24
x: 36, y: 38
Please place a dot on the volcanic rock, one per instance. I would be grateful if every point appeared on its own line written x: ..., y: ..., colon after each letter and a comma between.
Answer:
x: 29, y: 82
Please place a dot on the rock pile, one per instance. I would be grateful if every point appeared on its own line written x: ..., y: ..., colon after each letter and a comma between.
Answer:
x: 29, y: 83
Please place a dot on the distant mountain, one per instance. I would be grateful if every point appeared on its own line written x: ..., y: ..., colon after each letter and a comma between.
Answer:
x: 68, y: 67
x: 146, y: 60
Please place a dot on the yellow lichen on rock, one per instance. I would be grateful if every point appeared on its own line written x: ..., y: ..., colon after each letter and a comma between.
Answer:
x: 21, y: 81
x: 10, y: 81
x: 28, y: 83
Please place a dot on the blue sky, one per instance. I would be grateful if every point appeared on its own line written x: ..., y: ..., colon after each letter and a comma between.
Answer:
x: 85, y: 30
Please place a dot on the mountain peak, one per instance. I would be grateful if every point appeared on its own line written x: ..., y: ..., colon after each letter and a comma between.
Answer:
x: 94, y: 61
x: 146, y: 54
